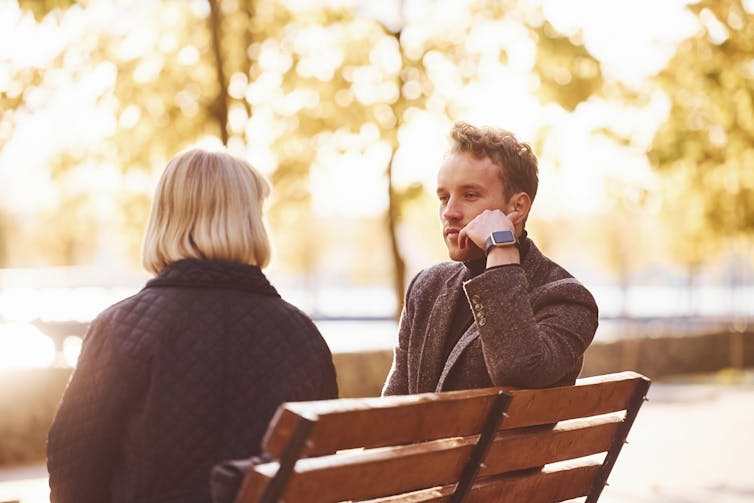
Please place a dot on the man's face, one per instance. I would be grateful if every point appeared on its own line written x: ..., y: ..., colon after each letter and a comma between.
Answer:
x: 466, y: 186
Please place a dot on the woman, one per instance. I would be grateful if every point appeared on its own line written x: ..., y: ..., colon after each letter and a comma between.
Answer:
x: 189, y: 371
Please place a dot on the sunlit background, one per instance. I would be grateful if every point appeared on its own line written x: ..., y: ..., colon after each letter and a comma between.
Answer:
x: 641, y: 114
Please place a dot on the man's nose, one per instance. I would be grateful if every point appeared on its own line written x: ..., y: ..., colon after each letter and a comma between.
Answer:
x: 452, y: 210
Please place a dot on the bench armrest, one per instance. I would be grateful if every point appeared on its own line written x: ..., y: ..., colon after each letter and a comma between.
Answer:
x: 226, y: 477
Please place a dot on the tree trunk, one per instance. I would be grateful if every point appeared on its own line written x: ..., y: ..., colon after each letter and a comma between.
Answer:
x: 394, y: 210
x: 247, y: 6
x: 220, y: 106
x: 3, y: 244
x: 399, y: 265
x: 691, y: 283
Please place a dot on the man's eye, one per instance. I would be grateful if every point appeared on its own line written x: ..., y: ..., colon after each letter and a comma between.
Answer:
x: 443, y: 199
x: 471, y: 195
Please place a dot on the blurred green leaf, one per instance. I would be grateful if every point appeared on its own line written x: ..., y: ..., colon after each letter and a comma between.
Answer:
x: 568, y: 73
x: 40, y: 8
x: 706, y: 145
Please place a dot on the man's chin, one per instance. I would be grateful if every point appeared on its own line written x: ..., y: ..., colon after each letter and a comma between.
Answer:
x: 459, y: 255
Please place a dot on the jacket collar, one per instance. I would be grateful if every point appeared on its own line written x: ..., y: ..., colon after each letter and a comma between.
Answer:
x: 197, y: 273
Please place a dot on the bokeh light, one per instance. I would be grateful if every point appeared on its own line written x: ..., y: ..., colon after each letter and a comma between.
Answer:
x: 24, y: 346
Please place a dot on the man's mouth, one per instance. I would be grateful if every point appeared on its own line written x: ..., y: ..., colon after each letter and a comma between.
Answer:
x: 451, y: 234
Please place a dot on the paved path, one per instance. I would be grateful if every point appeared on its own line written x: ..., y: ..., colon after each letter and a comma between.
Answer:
x: 691, y: 443
x: 27, y: 484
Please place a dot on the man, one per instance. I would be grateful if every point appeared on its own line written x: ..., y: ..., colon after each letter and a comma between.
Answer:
x: 500, y: 314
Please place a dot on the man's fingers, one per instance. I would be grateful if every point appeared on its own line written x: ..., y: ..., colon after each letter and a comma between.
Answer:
x: 515, y: 217
x: 462, y: 238
x: 476, y: 231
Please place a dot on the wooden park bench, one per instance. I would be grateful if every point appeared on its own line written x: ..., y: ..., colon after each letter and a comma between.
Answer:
x: 494, y: 444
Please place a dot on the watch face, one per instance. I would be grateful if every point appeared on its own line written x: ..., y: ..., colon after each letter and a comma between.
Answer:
x: 503, y: 237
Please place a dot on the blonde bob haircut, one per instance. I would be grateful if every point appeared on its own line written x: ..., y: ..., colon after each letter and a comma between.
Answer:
x: 207, y: 205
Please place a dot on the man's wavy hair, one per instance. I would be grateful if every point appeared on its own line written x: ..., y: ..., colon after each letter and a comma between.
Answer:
x: 517, y: 162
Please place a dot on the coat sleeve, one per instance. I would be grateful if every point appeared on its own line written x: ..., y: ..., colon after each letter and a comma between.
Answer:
x: 328, y: 379
x: 84, y: 440
x: 528, y: 345
x: 397, y: 379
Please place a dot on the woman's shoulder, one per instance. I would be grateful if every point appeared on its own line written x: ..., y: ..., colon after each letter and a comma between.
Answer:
x: 286, y: 314
x: 137, y: 309
x: 116, y: 330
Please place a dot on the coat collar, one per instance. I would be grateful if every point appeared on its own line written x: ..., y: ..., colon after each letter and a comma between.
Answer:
x: 196, y: 273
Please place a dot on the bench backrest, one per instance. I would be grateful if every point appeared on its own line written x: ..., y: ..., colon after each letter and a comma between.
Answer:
x: 476, y: 445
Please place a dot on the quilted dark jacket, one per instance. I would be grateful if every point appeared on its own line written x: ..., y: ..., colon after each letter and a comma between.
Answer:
x: 182, y: 375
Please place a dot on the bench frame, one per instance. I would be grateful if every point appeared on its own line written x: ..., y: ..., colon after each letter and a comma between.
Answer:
x: 289, y: 437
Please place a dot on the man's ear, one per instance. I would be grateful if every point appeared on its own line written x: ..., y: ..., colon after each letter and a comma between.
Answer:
x: 520, y: 202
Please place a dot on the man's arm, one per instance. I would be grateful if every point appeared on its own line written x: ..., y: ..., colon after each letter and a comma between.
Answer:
x: 522, y: 347
x: 526, y: 348
x: 397, y: 379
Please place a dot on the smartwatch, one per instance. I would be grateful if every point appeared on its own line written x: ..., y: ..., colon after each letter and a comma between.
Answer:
x: 499, y: 238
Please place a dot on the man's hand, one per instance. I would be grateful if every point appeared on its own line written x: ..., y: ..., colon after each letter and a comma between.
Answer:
x: 476, y: 232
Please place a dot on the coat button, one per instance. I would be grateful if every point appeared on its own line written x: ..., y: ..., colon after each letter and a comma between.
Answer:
x: 482, y: 321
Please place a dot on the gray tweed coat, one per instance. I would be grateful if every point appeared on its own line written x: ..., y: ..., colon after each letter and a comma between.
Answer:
x: 532, y: 324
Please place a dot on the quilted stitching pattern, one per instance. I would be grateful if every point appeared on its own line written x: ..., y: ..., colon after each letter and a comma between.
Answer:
x: 184, y: 374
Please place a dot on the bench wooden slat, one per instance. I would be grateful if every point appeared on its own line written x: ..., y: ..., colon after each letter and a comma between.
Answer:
x: 378, y: 422
x: 368, y: 474
x: 540, y: 487
x: 589, y: 397
x: 523, y: 450
x: 371, y: 473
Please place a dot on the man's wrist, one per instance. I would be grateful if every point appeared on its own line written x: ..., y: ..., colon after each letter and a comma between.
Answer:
x: 500, y: 238
x: 503, y: 255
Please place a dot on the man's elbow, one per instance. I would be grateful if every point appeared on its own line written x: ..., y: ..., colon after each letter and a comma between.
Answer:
x: 538, y: 374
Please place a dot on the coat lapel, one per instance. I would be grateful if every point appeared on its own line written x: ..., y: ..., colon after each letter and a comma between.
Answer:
x: 431, y: 357
x: 530, y: 264
x: 471, y: 333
